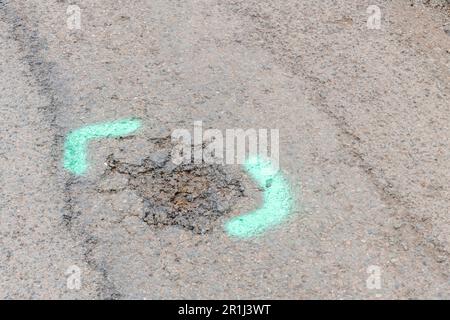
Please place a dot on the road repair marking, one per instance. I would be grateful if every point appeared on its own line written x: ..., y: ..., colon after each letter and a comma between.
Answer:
x: 278, y: 201
x: 77, y: 142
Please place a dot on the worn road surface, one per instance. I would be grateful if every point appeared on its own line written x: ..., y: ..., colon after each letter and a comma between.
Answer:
x: 364, y: 122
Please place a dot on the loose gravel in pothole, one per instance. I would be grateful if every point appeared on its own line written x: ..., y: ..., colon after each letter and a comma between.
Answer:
x: 189, y: 195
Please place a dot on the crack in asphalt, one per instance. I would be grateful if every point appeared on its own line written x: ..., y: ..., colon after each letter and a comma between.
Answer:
x: 389, y: 196
x: 286, y: 60
x: 52, y: 86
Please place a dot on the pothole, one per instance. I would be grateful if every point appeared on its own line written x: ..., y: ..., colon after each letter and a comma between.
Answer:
x: 191, y: 196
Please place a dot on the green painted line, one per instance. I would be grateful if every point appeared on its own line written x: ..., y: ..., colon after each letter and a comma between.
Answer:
x: 77, y: 141
x: 278, y: 201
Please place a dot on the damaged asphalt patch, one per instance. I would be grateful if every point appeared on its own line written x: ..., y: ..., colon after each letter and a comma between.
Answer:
x: 190, y: 196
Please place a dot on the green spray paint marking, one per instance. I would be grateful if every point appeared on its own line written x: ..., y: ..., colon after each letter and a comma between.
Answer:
x: 278, y: 201
x: 75, y: 153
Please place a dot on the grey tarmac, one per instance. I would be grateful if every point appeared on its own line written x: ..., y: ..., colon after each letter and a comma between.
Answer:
x: 363, y: 116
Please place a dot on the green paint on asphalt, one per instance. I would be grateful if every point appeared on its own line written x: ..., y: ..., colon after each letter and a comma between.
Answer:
x: 278, y: 201
x: 76, y: 145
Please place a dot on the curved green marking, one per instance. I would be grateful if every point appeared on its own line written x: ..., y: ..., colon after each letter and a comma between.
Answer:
x: 278, y: 201
x: 77, y: 141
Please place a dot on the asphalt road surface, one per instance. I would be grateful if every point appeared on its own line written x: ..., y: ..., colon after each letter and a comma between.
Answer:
x: 363, y: 115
